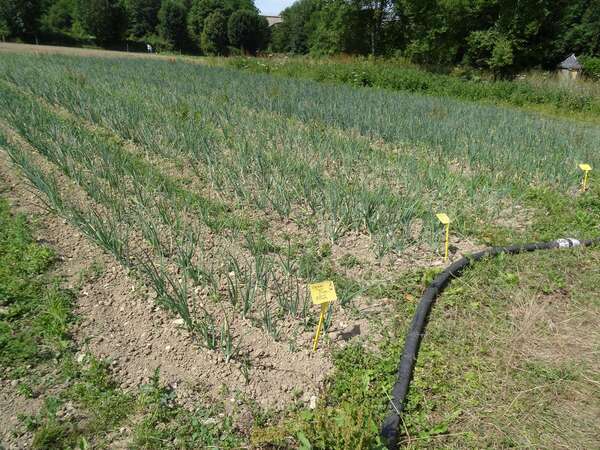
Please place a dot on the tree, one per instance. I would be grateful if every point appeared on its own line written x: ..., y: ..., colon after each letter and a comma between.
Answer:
x: 60, y: 16
x: 198, y: 14
x: 4, y: 30
x: 214, y: 34
x: 201, y: 9
x: 243, y: 31
x: 105, y: 20
x: 172, y: 23
x: 142, y: 17
x: 292, y: 35
x: 21, y: 17
x: 580, y: 29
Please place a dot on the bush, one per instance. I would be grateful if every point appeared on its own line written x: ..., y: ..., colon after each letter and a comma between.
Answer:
x: 247, y: 31
x: 172, y: 24
x: 591, y: 67
x: 214, y: 34
x: 400, y: 76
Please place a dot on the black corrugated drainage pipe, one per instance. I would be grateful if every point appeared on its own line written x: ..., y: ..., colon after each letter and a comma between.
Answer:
x: 390, y: 429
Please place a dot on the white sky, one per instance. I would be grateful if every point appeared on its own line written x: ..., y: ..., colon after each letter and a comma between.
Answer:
x: 272, y: 7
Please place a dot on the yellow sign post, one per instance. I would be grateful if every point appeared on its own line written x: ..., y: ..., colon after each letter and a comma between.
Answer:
x: 586, y: 171
x: 445, y: 220
x: 322, y: 294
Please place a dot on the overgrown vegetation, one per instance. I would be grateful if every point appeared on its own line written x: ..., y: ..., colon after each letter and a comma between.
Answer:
x: 538, y: 91
x: 500, y: 36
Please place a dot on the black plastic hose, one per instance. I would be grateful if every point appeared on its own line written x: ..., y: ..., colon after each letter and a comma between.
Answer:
x: 390, y: 431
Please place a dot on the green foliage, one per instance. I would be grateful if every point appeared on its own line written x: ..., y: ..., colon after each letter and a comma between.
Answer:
x: 198, y: 13
x: 172, y: 23
x: 60, y: 16
x: 143, y: 17
x: 214, y: 34
x: 397, y: 74
x: 591, y: 67
x: 34, y: 318
x: 21, y: 17
x: 498, y: 34
x: 200, y: 10
x: 247, y: 31
x: 105, y: 20
x: 4, y: 30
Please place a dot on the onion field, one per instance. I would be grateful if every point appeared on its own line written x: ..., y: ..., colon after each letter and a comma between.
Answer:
x: 227, y: 193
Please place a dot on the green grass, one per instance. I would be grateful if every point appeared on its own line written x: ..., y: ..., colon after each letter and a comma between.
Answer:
x: 475, y: 386
x: 35, y: 316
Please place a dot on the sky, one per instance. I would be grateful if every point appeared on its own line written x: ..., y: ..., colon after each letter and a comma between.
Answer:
x: 272, y: 7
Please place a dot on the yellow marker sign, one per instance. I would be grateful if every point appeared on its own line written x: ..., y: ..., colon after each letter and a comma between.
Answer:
x: 586, y: 171
x: 445, y: 220
x: 322, y: 294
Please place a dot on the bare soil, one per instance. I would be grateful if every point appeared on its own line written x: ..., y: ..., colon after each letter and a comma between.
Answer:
x: 76, y: 51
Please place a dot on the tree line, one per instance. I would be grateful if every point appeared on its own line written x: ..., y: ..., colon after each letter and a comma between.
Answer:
x: 213, y: 27
x: 499, y: 35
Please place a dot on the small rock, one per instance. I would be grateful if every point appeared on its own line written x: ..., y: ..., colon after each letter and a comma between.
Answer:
x: 313, y: 402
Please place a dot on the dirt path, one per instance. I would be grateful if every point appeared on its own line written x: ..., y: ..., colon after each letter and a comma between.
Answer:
x: 11, y: 47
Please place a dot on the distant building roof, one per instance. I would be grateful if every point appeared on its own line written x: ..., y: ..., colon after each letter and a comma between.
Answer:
x: 570, y: 63
x: 273, y: 20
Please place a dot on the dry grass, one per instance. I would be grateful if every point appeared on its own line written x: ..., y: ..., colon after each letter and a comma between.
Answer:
x: 511, y: 357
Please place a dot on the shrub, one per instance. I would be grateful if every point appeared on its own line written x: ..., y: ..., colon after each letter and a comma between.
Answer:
x: 214, y: 34
x: 591, y: 67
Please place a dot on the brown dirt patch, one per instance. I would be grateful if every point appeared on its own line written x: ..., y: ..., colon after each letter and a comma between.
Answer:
x: 11, y: 47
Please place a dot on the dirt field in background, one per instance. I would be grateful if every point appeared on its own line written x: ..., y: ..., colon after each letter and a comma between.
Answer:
x: 76, y: 51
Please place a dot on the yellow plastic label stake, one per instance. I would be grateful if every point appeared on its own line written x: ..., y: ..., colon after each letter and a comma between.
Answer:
x: 445, y: 220
x: 586, y: 171
x: 322, y: 294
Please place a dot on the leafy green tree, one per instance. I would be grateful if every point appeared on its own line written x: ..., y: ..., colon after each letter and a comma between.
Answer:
x: 4, y: 30
x: 214, y: 34
x: 341, y: 27
x: 172, y: 23
x: 105, y: 20
x: 22, y: 17
x: 502, y: 58
x: 247, y: 31
x: 198, y: 14
x: 201, y: 9
x: 299, y: 21
x: 60, y: 16
x: 580, y: 29
x: 142, y: 17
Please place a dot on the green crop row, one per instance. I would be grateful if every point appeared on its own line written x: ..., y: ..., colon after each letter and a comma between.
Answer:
x: 533, y: 90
